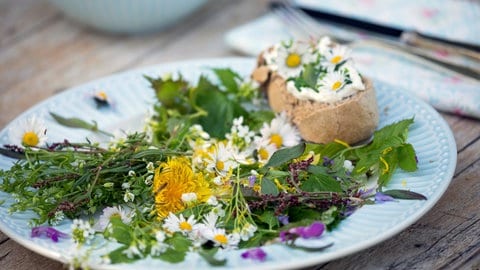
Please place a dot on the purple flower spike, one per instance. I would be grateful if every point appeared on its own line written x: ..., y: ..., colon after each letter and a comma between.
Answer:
x: 49, y: 232
x: 314, y: 230
x: 381, y: 198
x: 251, y: 180
x: 256, y: 254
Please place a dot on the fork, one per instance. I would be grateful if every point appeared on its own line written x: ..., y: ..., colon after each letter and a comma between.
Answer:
x: 302, y: 26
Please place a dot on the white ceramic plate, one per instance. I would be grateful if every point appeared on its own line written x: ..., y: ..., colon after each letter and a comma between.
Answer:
x: 131, y: 97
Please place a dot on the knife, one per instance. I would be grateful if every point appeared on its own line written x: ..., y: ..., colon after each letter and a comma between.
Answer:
x: 408, y: 37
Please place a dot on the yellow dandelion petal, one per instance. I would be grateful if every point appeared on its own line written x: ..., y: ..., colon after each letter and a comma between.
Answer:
x: 174, y: 178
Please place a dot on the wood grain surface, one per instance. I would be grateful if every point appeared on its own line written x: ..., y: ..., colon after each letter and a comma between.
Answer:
x: 43, y: 53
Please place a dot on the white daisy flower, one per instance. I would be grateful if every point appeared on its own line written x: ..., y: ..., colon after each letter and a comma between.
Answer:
x: 332, y: 81
x: 220, y: 238
x: 291, y: 59
x: 336, y: 55
x: 265, y: 149
x: 180, y: 224
x: 221, y: 161
x: 280, y: 132
x: 125, y: 214
x: 29, y: 132
x: 210, y: 220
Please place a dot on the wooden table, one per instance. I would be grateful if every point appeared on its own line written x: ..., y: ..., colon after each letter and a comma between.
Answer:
x: 42, y: 53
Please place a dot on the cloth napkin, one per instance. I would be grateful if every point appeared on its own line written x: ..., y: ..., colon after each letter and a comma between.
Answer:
x: 444, y: 90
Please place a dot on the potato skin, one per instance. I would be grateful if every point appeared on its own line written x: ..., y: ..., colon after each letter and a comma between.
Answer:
x: 351, y: 120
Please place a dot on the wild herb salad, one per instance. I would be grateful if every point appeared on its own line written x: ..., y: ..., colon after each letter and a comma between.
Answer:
x: 214, y: 170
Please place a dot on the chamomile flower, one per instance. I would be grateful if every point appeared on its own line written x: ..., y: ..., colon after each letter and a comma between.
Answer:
x: 292, y: 57
x: 335, y: 56
x: 280, y: 132
x: 179, y: 224
x: 108, y: 213
x: 333, y: 81
x: 221, y: 160
x: 30, y: 132
x: 265, y: 149
x: 221, y: 239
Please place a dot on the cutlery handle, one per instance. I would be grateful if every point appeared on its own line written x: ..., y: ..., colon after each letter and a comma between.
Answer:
x: 415, y: 39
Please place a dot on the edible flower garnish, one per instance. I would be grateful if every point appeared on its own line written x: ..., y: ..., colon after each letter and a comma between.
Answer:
x: 48, y: 231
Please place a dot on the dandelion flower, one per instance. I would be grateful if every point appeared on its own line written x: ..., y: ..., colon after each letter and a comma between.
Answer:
x: 29, y: 132
x: 173, y: 179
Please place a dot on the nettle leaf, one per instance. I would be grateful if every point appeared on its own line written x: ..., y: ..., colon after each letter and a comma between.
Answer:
x: 209, y: 256
x: 392, y: 135
x: 406, y: 158
x: 321, y: 182
x: 228, y: 78
x: 169, y: 92
x: 285, y: 154
x: 268, y: 187
x: 404, y: 194
x: 120, y: 231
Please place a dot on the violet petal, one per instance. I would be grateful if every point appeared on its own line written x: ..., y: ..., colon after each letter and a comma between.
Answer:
x: 50, y: 232
x: 314, y: 230
x: 256, y: 254
x: 381, y: 198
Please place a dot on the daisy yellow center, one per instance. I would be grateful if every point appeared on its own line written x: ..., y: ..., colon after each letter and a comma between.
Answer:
x: 263, y: 153
x: 336, y: 85
x: 221, y: 238
x: 276, y: 139
x: 102, y: 95
x: 336, y: 59
x: 185, y: 226
x: 220, y: 165
x: 30, y: 138
x: 293, y: 60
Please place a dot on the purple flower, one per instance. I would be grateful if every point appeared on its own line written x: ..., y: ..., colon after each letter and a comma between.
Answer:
x: 49, y: 232
x: 256, y: 254
x: 283, y: 219
x: 315, y: 229
x: 327, y: 162
x: 251, y: 180
x: 381, y: 198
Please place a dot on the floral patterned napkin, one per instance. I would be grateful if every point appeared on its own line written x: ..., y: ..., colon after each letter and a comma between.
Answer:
x: 444, y: 90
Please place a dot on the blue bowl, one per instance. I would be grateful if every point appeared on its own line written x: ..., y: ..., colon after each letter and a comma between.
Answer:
x: 127, y: 16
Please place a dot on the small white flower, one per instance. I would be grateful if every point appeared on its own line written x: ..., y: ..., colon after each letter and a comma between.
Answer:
x: 221, y: 161
x: 149, y: 180
x: 125, y: 214
x: 247, y: 231
x: 57, y: 218
x: 158, y: 248
x: 131, y: 173
x: 29, y: 132
x: 132, y: 251
x: 336, y: 55
x: 150, y: 167
x: 82, y: 232
x: 189, y: 197
x: 347, y: 164
x: 125, y: 185
x: 280, y: 132
x: 265, y: 149
x: 332, y: 81
x: 180, y: 224
x: 128, y: 196
x: 160, y: 236
x: 212, y: 200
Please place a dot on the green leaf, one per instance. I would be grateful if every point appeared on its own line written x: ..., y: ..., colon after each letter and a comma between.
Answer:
x: 77, y: 123
x: 179, y: 242
x: 320, y: 182
x: 392, y: 135
x: 406, y: 158
x: 169, y: 92
x: 209, y: 256
x: 120, y: 231
x: 404, y: 194
x: 227, y: 78
x: 285, y: 154
x: 268, y: 187
x: 172, y: 256
x: 269, y: 218
x: 388, y: 165
x: 117, y: 256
